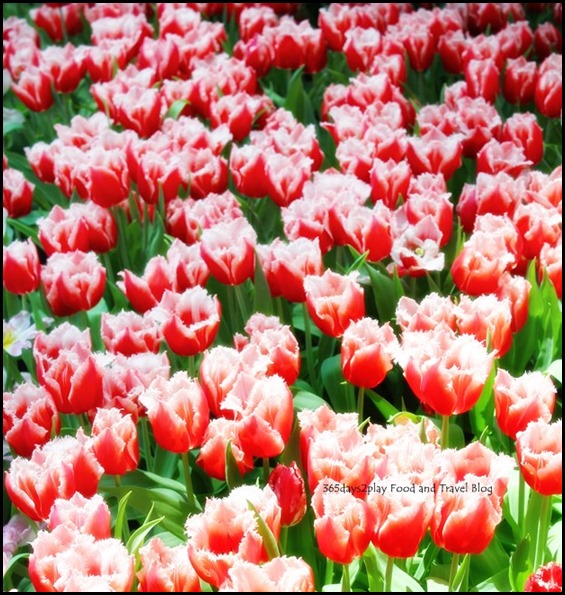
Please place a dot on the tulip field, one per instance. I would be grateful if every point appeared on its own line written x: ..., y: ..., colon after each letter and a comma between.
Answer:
x: 282, y: 302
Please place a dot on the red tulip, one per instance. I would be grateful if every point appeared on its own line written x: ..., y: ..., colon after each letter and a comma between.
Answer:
x: 114, y: 441
x: 483, y: 79
x: 539, y: 449
x: 29, y: 416
x: 68, y: 560
x: 264, y: 410
x: 390, y: 181
x: 507, y: 157
x: 286, y: 265
x: 334, y: 301
x: 344, y: 524
x: 166, y: 569
x: 547, y: 579
x: 17, y: 193
x: 21, y: 267
x: 82, y: 227
x: 548, y: 94
x: 33, y: 89
x: 435, y: 153
x: 212, y: 457
x: 288, y: 485
x: 433, y: 311
x: 66, y: 66
x: 229, y: 251
x: 178, y: 412
x: 447, y: 373
x: 254, y: 19
x: 247, y: 165
x: 73, y: 282
x: 58, y: 469
x: 279, y: 575
x: 524, y: 131
x: 58, y: 21
x: 361, y: 47
x: 519, y: 401
x: 129, y: 333
x: 286, y: 176
x: 469, y: 492
x: 276, y: 342
x: 550, y: 263
x: 520, y: 81
x: 451, y: 48
x: 366, y: 352
x: 190, y: 320
x: 547, y: 40
x: 86, y: 515
x: 74, y: 380
x: 516, y: 290
x: 226, y: 532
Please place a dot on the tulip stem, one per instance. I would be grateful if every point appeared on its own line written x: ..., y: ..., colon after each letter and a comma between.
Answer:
x: 308, y: 339
x: 445, y: 431
x: 146, y: 443
x: 388, y: 574
x: 188, y: 482
x: 453, y: 570
x: 544, y: 520
x: 345, y: 580
x: 266, y: 469
x: 521, y: 501
x: 329, y: 574
x: 191, y: 366
x: 117, y: 480
x: 241, y: 304
x: 361, y: 402
x: 283, y: 539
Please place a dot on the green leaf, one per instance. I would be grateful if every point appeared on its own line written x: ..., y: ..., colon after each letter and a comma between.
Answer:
x: 266, y: 534
x: 13, y: 561
x: 176, y: 108
x: 520, y: 565
x: 387, y: 410
x: 233, y: 476
x: 121, y: 516
x: 334, y: 383
x: 498, y: 583
x: 401, y: 581
x: 138, y: 536
x: 387, y: 291
x: 262, y: 301
x: 307, y: 400
x: 482, y: 414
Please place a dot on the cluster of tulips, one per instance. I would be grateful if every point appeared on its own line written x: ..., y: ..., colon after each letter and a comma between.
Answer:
x: 282, y: 297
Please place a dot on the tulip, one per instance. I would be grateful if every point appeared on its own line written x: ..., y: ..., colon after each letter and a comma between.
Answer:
x: 34, y: 89
x: 166, y: 569
x: 29, y: 417
x: 280, y: 575
x: 226, y: 532
x: 288, y: 485
x: 334, y: 301
x: 67, y: 559
x: 58, y: 469
x: 520, y: 81
x: 21, y: 267
x: 73, y: 282
x: 178, y: 412
x: 538, y: 449
x: 114, y: 441
x: 87, y: 515
x: 17, y: 193
x: 129, y: 333
x: 344, y: 524
x: 546, y: 579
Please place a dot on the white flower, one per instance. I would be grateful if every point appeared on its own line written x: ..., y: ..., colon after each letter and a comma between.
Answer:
x: 19, y: 333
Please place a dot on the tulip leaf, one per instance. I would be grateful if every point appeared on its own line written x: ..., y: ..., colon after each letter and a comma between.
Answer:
x: 482, y: 414
x: 555, y: 369
x: 262, y: 301
x: 121, y: 516
x: 387, y: 410
x: 269, y: 540
x: 334, y: 383
x: 233, y: 476
x: 520, y: 565
x: 138, y: 536
x: 387, y: 291
x: 307, y: 400
x: 177, y: 108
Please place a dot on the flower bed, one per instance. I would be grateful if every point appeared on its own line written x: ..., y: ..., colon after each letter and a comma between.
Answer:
x: 282, y: 297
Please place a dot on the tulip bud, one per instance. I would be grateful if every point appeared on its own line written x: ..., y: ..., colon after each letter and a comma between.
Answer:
x: 288, y: 485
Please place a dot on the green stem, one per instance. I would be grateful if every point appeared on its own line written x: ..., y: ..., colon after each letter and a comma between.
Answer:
x: 117, y: 480
x: 146, y: 443
x: 361, y: 402
x: 544, y: 521
x: 465, y: 580
x: 232, y: 309
x: 192, y: 366
x: 188, y: 482
x: 329, y: 574
x: 35, y: 302
x: 283, y: 539
x: 445, y: 431
x: 521, y: 501
x: 388, y: 574
x: 308, y: 346
x: 345, y: 580
x: 241, y: 304
x: 266, y: 469
x: 453, y: 571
